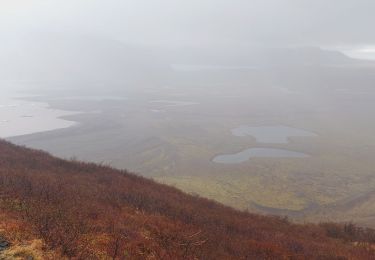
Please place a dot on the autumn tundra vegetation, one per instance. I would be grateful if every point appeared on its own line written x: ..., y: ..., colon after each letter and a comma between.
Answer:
x: 59, y: 209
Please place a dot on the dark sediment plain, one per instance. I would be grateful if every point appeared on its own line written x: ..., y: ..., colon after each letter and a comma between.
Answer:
x: 245, y: 155
x: 175, y: 144
x: 270, y: 134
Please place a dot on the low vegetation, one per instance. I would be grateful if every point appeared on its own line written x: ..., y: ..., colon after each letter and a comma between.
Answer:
x: 55, y: 209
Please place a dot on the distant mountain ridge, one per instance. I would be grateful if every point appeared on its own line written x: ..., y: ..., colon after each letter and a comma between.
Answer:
x: 79, y: 58
x: 259, y: 57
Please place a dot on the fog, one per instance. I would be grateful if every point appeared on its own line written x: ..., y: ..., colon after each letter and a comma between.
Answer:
x: 63, y: 39
x: 270, y: 22
x: 156, y: 87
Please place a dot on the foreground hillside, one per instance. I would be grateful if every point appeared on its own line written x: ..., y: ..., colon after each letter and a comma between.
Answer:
x: 55, y: 209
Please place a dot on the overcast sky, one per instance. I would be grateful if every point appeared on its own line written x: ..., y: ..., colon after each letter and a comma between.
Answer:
x: 192, y: 22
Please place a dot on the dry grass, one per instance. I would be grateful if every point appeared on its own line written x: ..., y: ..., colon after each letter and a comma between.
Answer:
x: 86, y: 211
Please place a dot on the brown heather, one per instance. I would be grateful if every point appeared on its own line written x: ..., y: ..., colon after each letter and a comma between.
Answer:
x: 87, y: 211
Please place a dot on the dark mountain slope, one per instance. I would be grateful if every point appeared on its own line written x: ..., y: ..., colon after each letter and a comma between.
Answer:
x: 86, y: 211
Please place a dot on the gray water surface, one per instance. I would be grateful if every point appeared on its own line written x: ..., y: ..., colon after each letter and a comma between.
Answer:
x: 21, y: 117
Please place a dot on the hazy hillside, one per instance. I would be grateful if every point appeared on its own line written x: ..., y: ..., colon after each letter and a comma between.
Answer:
x: 187, y: 129
x: 53, y: 209
x: 248, y: 56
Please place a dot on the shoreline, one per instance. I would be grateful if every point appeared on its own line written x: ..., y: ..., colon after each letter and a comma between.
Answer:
x: 21, y: 116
